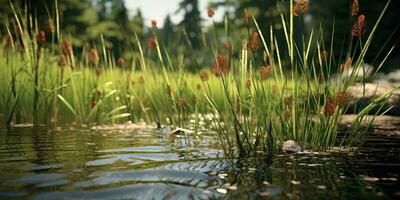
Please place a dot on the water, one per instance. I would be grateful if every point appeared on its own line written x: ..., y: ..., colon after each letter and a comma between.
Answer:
x: 78, y: 163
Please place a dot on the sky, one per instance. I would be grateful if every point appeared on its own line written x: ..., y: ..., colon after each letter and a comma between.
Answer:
x: 158, y: 9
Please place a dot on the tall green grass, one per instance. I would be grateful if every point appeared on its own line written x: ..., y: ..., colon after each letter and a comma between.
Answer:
x: 252, y: 108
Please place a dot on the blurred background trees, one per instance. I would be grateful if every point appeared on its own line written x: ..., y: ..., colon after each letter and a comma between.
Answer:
x: 85, y: 22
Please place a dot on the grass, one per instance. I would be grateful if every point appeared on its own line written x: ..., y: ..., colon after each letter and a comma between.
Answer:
x: 254, y: 109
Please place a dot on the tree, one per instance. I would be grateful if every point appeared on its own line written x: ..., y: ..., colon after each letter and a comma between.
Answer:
x: 168, y: 31
x: 191, y: 21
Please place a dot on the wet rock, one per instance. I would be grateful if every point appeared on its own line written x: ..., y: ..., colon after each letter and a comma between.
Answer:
x: 361, y: 95
x: 291, y: 146
x: 26, y: 125
x: 365, y: 71
x: 181, y: 131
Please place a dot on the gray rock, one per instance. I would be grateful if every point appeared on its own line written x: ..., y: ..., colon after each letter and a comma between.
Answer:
x: 291, y: 146
x: 361, y: 95
x: 365, y: 71
x: 393, y: 76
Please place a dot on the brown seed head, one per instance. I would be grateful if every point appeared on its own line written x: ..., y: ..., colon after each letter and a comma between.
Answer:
x: 98, y: 71
x: 204, y: 76
x: 355, y: 7
x: 248, y: 84
x: 199, y: 86
x: 221, y: 66
x: 9, y: 41
x: 288, y: 101
x: 94, y: 57
x: 169, y: 90
x: 254, y: 42
x: 182, y: 101
x: 329, y: 108
x: 324, y: 55
x: 342, y: 98
x: 246, y: 17
x: 152, y: 42
x: 227, y: 46
x: 50, y: 26
x: 154, y: 23
x: 210, y: 12
x: 359, y: 27
x: 41, y: 38
x: 141, y: 79
x: 66, y: 48
x: 121, y: 62
x: 345, y: 65
x: 300, y: 7
x: 62, y: 61
x: 194, y: 98
x: 18, y: 30
x: 93, y: 103
x: 265, y: 71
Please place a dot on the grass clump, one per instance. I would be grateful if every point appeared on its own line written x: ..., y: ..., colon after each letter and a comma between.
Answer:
x: 270, y: 92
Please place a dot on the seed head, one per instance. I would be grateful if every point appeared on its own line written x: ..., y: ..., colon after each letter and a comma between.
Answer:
x: 194, y: 99
x: 62, y: 61
x: 50, y: 26
x: 204, y: 76
x: 152, y: 42
x: 248, y: 84
x: 141, y: 79
x: 98, y: 71
x: 66, y: 48
x: 93, y: 103
x: 169, y: 90
x: 246, y: 17
x: 154, y: 23
x: 199, y: 86
x: 265, y: 71
x: 210, y: 12
x: 324, y: 55
x: 342, y: 99
x: 9, y: 41
x: 359, y: 27
x: 182, y: 101
x: 345, y: 65
x: 330, y: 105
x: 221, y: 65
x: 254, y: 42
x: 300, y: 7
x: 227, y: 46
x: 41, y: 38
x: 355, y: 7
x: 94, y: 57
x: 121, y: 62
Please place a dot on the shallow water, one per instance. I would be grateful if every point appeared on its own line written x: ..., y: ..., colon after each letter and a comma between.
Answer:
x: 84, y: 164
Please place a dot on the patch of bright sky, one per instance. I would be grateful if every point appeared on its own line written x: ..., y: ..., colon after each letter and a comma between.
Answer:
x: 159, y: 9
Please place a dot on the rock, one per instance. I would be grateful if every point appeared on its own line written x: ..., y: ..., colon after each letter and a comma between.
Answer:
x: 181, y: 131
x: 365, y: 71
x: 361, y: 95
x: 26, y: 125
x: 291, y: 146
x: 393, y: 76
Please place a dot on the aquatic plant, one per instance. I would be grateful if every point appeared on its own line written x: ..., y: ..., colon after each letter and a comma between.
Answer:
x: 270, y: 93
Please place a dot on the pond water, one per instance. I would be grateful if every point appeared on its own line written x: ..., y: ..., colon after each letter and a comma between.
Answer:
x: 78, y: 163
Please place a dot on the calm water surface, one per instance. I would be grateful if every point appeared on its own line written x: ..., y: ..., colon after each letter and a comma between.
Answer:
x: 82, y: 164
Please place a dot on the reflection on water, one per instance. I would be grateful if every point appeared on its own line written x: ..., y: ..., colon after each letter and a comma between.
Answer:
x: 82, y: 164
